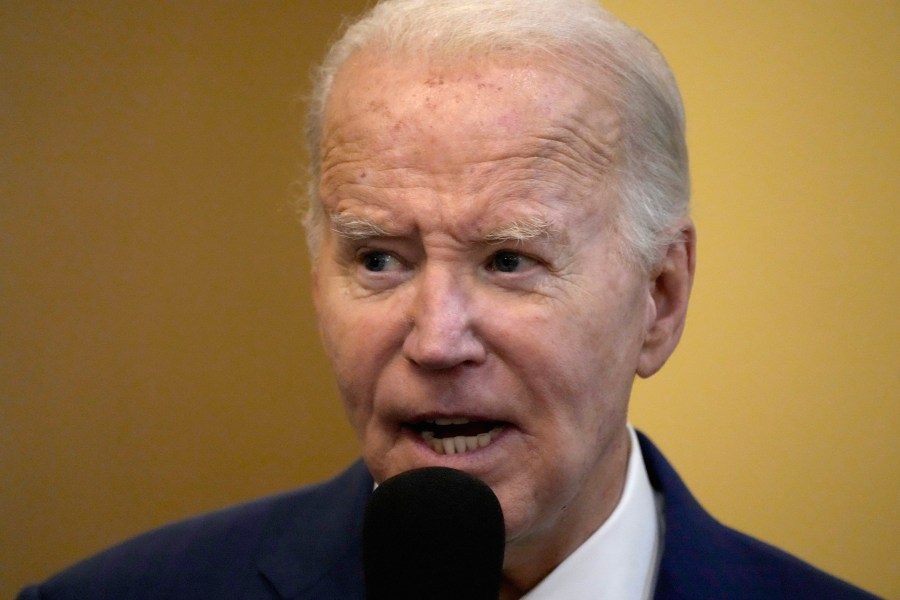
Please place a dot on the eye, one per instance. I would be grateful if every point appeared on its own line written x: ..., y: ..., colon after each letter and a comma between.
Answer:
x: 509, y: 262
x: 378, y: 262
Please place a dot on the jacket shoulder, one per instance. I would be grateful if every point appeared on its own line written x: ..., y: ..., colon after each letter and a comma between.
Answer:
x: 702, y: 558
x: 214, y: 555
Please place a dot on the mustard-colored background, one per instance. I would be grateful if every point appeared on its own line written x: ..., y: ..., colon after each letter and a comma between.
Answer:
x: 158, y: 353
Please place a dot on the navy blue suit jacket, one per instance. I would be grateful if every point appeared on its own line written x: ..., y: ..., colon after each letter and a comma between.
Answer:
x: 305, y: 545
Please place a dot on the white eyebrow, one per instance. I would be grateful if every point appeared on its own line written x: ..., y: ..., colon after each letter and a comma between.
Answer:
x: 522, y: 230
x: 355, y: 228
x: 352, y: 227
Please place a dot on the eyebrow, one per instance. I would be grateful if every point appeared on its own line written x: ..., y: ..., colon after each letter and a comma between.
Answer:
x: 356, y: 228
x: 352, y: 227
x: 523, y: 230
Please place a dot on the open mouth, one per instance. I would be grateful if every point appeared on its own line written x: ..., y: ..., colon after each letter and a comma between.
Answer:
x: 457, y: 435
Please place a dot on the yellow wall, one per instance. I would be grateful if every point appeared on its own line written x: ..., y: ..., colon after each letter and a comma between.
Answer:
x: 157, y: 348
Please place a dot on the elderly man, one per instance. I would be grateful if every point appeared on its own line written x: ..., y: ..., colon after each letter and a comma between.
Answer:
x: 499, y: 226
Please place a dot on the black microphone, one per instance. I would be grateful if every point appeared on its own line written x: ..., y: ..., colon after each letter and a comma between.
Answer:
x: 434, y: 533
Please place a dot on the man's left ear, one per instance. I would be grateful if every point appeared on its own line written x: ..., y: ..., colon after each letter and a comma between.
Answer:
x: 669, y: 288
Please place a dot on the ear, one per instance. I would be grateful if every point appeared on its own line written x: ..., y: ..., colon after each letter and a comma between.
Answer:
x: 669, y: 288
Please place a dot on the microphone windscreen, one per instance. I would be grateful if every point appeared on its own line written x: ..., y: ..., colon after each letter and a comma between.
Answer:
x: 433, y: 533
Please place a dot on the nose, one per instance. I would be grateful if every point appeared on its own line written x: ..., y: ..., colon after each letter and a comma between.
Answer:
x: 442, y: 335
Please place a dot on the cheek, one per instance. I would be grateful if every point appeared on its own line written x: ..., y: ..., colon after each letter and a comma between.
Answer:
x: 353, y: 374
x: 337, y: 321
x: 337, y: 312
x: 573, y: 346
x: 332, y: 329
x: 578, y: 368
x: 360, y: 338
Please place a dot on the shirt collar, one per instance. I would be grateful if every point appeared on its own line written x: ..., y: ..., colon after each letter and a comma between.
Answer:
x: 620, y: 559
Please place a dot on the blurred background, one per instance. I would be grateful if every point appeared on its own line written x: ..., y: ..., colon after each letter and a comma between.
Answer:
x: 158, y: 350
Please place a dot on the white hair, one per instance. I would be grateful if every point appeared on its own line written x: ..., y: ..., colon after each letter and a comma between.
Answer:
x: 576, y: 37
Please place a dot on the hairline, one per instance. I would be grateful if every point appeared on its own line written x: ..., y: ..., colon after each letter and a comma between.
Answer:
x: 626, y: 69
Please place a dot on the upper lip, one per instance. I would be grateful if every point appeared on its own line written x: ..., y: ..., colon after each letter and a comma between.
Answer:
x: 449, y: 418
x: 433, y: 416
x: 454, y: 425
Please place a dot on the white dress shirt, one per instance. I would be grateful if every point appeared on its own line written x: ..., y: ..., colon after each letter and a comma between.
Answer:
x: 620, y: 559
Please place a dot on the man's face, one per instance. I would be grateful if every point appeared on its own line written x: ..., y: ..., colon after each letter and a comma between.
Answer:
x: 470, y: 289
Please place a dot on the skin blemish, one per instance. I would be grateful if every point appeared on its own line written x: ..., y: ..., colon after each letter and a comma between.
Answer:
x: 379, y: 107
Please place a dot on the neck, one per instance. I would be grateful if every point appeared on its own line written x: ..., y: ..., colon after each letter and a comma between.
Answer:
x: 528, y: 560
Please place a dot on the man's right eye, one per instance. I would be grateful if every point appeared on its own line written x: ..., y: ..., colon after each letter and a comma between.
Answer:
x: 379, y: 261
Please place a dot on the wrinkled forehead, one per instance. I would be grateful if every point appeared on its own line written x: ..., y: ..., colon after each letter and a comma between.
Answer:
x: 461, y: 109
x: 370, y: 70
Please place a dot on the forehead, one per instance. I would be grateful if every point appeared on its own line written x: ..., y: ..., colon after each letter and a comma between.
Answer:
x: 384, y: 101
x: 461, y: 128
x: 515, y: 92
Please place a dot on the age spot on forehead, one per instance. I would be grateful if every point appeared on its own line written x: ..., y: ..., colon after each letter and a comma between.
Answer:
x: 379, y: 107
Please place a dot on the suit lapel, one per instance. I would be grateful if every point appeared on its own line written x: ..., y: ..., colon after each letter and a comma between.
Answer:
x: 315, y: 549
x: 700, y: 558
